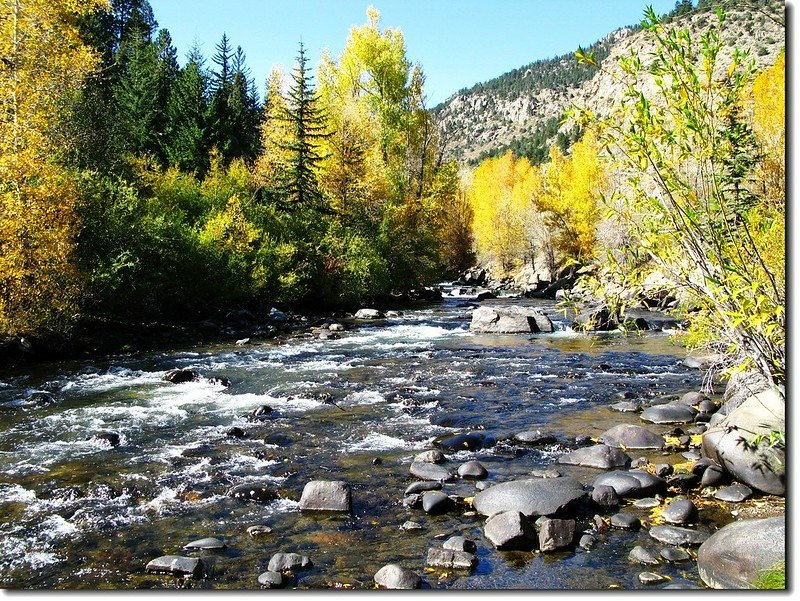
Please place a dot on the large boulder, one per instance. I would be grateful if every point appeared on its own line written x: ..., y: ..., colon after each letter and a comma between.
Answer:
x: 628, y: 436
x: 669, y: 413
x: 324, y: 495
x: 531, y: 497
x: 509, y: 320
x: 430, y: 471
x: 288, y: 562
x: 466, y: 441
x: 739, y: 443
x: 600, y: 456
x: 596, y: 319
x: 736, y: 554
x: 369, y: 314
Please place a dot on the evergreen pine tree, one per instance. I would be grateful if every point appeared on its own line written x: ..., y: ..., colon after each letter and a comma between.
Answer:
x: 307, y: 121
x: 186, y: 140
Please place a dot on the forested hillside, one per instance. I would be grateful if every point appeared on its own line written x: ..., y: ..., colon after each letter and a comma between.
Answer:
x: 522, y: 110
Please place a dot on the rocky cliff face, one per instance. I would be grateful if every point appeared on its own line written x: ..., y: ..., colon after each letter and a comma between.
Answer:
x: 516, y: 106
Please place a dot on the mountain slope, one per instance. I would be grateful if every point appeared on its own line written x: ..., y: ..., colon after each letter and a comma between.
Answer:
x: 522, y: 109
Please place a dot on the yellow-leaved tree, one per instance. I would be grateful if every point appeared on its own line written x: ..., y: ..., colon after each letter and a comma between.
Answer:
x: 42, y: 62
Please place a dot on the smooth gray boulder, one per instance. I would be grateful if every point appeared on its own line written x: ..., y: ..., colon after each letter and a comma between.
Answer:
x: 326, y: 495
x: 369, y: 314
x: 740, y: 387
x: 625, y: 521
x: 510, y: 530
x: 393, y: 576
x: 450, y: 559
x: 628, y: 436
x: 430, y: 471
x: 177, y: 566
x: 418, y: 487
x: 599, y: 456
x: 675, y: 554
x: 669, y: 413
x: 472, y: 469
x: 498, y: 319
x: 678, y: 536
x: 284, y: 562
x: 632, y: 483
x: 435, y: 502
x: 735, y: 493
x: 531, y: 497
x: 270, y: 579
x: 555, y: 534
x: 736, y: 554
x: 641, y: 555
x: 605, y: 496
x: 206, y: 544
x: 735, y: 445
x: 535, y: 437
x: 679, y: 512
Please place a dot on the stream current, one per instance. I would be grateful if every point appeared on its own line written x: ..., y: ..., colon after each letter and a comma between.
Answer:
x: 76, y: 512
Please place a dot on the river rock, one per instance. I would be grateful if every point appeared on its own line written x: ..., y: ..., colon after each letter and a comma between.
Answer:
x: 740, y: 387
x: 252, y: 492
x: 662, y: 470
x: 112, y: 438
x: 587, y: 542
x: 626, y: 407
x: 625, y: 521
x: 646, y: 503
x: 369, y: 314
x: 670, y: 413
x: 435, y: 502
x: 531, y: 497
x: 732, y: 443
x: 713, y: 475
x: 737, y: 553
x: 679, y: 512
x: 393, y: 576
x: 236, y: 432
x: 510, y: 530
x: 459, y: 543
x: 509, y: 320
x: 641, y: 555
x: 535, y: 437
x: 270, y: 579
x: 605, y: 496
x: 692, y: 398
x: 595, y: 319
x: 260, y: 413
x: 675, y: 555
x: 599, y: 456
x: 179, y: 376
x: 555, y: 534
x: 409, y: 526
x: 418, y: 487
x: 206, y: 544
x: 628, y: 436
x: 677, y: 536
x: 736, y: 493
x: 450, y: 559
x: 278, y: 439
x: 326, y: 495
x: 431, y: 456
x: 258, y: 530
x: 467, y: 441
x: 632, y: 483
x: 177, y: 566
x: 472, y: 469
x: 288, y: 562
x: 651, y: 578
x: 546, y: 473
x: 430, y: 471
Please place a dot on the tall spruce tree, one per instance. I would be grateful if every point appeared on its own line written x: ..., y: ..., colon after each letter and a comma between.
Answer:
x: 308, y: 124
x: 186, y: 143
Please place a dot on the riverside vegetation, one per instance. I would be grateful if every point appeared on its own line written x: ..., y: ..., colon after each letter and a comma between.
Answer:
x: 138, y: 195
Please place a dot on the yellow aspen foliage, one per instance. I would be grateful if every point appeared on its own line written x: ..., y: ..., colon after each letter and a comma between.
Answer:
x: 572, y: 187
x: 275, y: 134
x: 769, y: 124
x: 42, y: 62
x: 500, y: 196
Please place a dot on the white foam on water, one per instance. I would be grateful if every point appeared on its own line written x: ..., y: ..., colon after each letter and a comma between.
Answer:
x: 375, y: 441
x: 366, y: 397
x: 14, y: 493
x: 570, y: 400
x: 56, y: 527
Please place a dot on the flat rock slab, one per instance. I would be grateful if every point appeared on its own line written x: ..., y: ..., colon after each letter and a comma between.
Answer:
x: 509, y: 320
x: 459, y: 543
x: 535, y: 437
x: 625, y: 521
x: 736, y: 493
x: 632, y: 483
x: 628, y: 436
x: 177, y: 566
x: 326, y: 495
x: 510, y: 530
x: 671, y: 413
x: 393, y: 576
x: 737, y: 553
x: 677, y: 536
x: 206, y: 544
x: 531, y: 497
x: 625, y: 407
x: 418, y: 487
x: 450, y: 559
x: 675, y: 555
x: 599, y: 456
x: 430, y: 471
x: 641, y: 555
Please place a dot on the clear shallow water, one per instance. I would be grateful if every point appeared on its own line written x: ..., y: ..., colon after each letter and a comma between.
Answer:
x: 77, y: 513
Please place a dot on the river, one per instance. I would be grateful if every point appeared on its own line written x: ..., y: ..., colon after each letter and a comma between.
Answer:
x: 76, y: 512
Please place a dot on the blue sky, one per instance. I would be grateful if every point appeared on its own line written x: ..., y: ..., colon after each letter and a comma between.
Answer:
x: 457, y: 42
